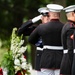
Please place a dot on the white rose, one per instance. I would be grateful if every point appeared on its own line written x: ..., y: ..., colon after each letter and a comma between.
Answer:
x: 23, y: 59
x: 23, y: 65
x: 17, y: 62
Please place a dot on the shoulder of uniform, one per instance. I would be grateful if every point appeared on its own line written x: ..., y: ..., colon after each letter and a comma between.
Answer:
x: 68, y: 26
x: 62, y: 23
x: 43, y: 24
x: 71, y: 24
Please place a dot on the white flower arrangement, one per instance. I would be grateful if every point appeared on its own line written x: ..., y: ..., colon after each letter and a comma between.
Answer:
x: 14, y: 62
x: 17, y: 49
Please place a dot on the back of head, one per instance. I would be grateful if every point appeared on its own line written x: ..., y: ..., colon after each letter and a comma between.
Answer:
x: 54, y: 10
x: 44, y: 12
x: 70, y: 8
x: 54, y: 7
x: 70, y: 12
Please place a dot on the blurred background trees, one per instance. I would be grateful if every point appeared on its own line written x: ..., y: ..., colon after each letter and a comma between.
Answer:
x: 14, y: 12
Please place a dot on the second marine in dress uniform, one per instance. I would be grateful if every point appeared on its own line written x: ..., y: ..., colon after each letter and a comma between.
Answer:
x: 51, y: 37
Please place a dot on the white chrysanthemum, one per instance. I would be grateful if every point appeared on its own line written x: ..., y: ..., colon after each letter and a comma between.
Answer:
x: 17, y: 62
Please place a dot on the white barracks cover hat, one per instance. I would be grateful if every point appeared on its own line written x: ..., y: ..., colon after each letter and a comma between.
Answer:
x: 54, y: 7
x: 69, y: 8
x: 43, y: 10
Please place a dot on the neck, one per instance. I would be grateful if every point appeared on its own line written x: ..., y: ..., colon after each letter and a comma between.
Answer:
x: 54, y: 18
x: 71, y: 19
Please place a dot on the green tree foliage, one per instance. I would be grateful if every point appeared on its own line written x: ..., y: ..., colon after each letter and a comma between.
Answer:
x: 70, y: 2
x: 12, y: 13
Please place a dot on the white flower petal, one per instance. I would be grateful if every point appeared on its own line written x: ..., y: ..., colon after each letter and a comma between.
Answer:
x: 23, y: 59
x: 24, y: 65
x: 17, y: 62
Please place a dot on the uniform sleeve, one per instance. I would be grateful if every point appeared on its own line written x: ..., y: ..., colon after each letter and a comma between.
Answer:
x: 24, y: 28
x: 34, y: 36
x: 67, y: 38
x: 63, y: 39
x: 70, y: 37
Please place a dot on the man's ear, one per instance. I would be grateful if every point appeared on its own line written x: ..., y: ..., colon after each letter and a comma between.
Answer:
x: 73, y: 14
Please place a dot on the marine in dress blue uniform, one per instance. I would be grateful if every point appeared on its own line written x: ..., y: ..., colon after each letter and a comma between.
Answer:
x: 73, y: 65
x: 67, y: 41
x: 27, y: 28
x: 51, y: 37
x: 39, y: 46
